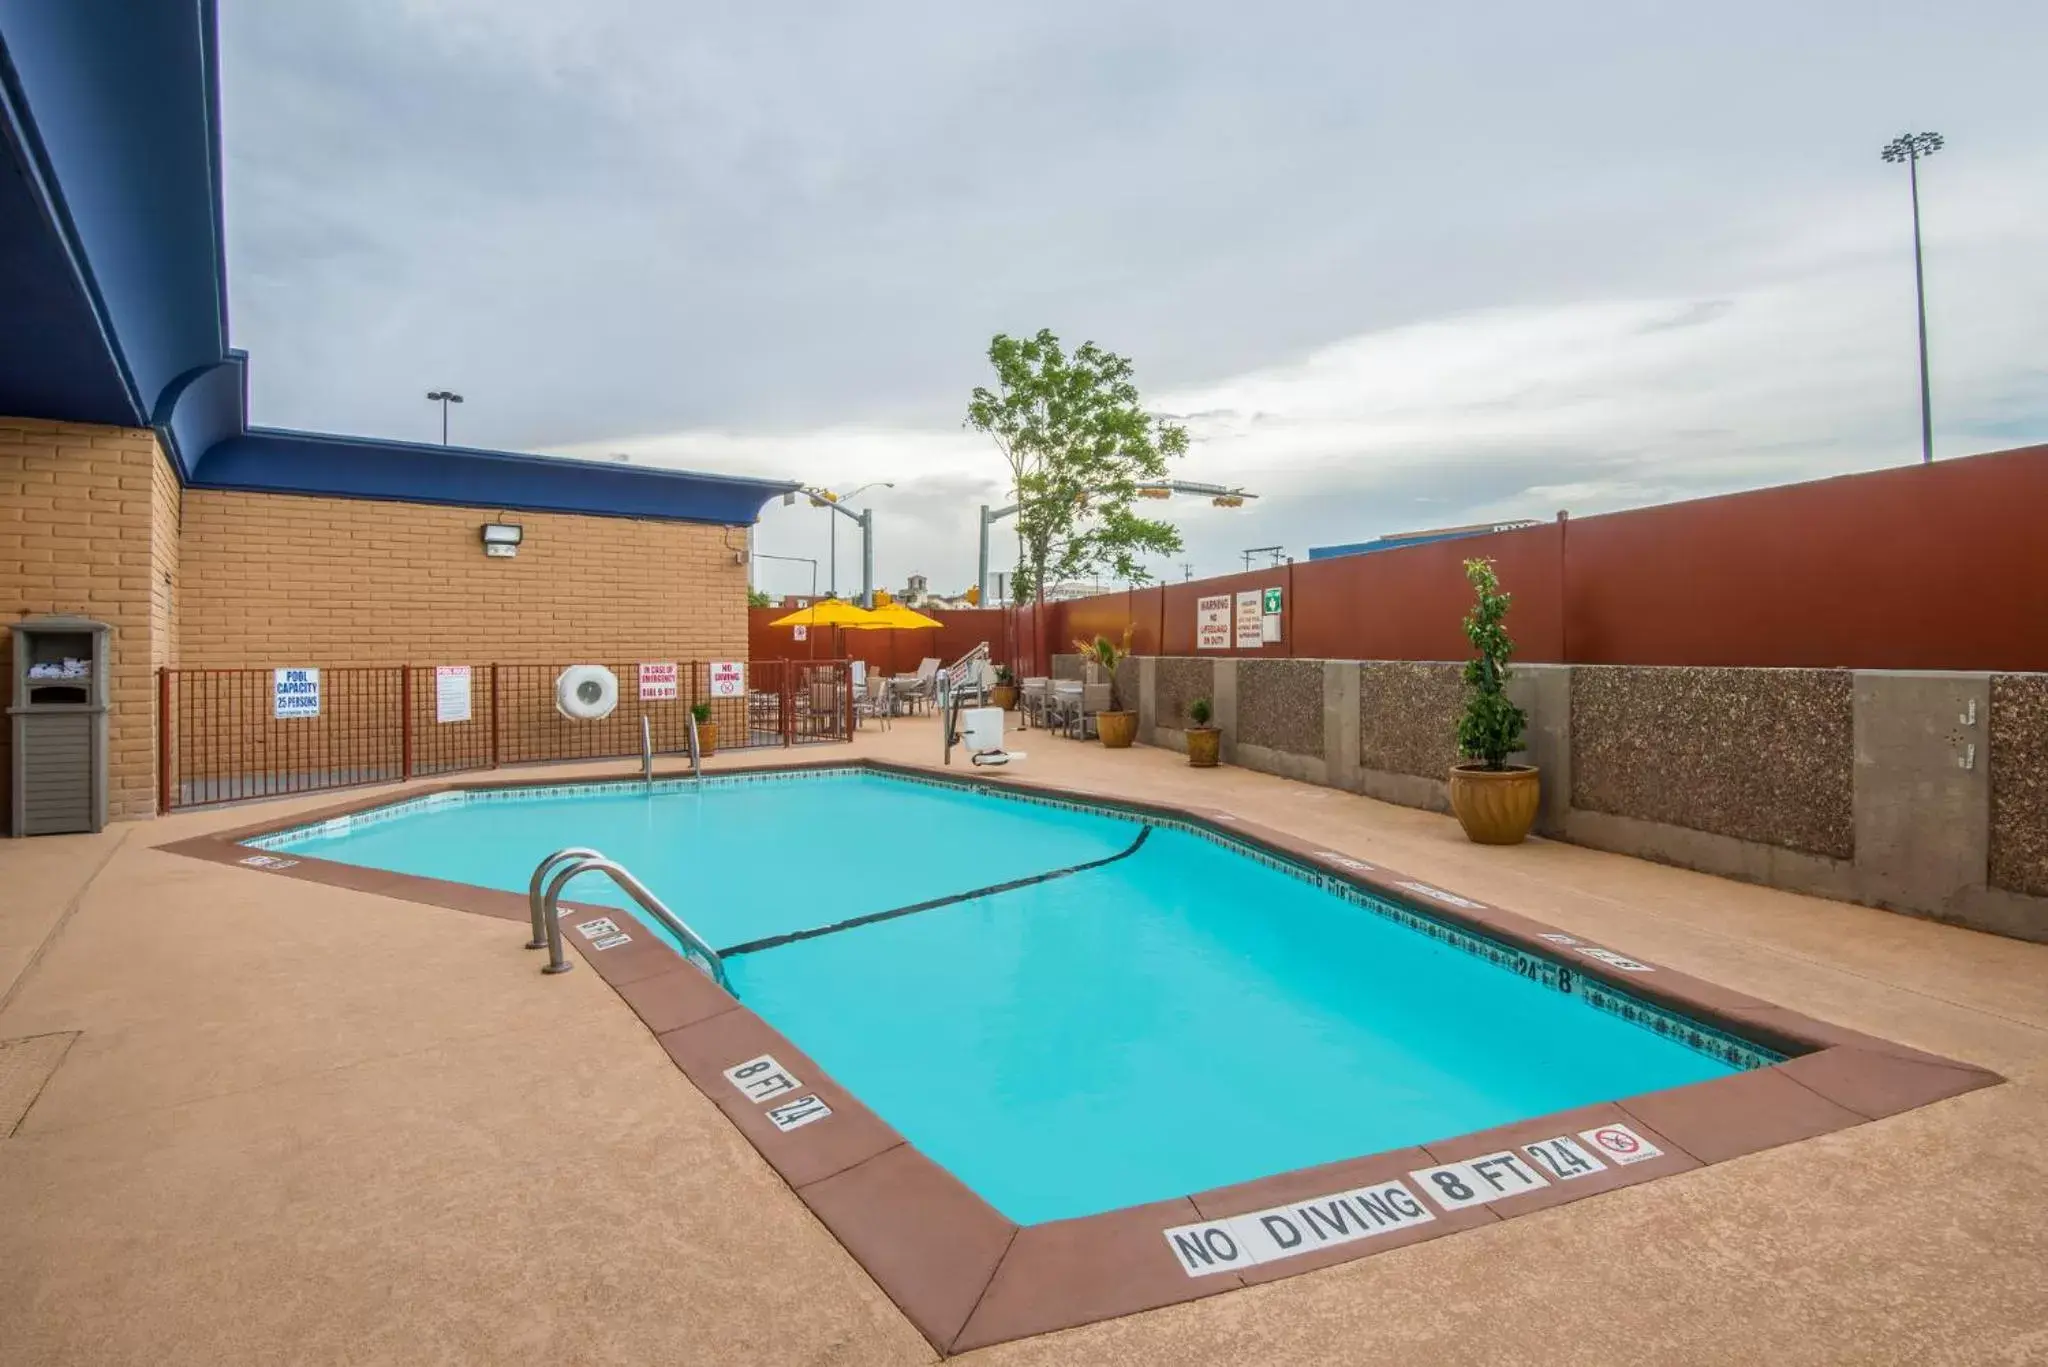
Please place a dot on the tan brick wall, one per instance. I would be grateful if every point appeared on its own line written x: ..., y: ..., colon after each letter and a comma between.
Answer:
x: 165, y: 500
x: 356, y: 587
x: 269, y: 580
x: 76, y: 517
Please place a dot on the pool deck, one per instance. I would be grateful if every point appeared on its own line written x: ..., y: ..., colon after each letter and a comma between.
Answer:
x: 304, y: 1123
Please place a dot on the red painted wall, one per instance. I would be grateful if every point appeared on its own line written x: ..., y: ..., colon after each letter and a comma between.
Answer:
x: 1941, y: 566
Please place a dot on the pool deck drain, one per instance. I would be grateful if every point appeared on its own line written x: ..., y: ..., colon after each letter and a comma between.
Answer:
x: 218, y: 1012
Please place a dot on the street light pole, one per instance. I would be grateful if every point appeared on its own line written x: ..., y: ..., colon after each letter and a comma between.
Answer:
x: 831, y: 502
x: 444, y: 397
x: 1222, y: 495
x: 1910, y: 148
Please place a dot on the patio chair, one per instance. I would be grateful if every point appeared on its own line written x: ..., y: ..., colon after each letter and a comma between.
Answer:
x: 1093, y: 699
x: 1063, y: 705
x: 876, y: 700
x: 917, y: 690
x: 1033, y: 697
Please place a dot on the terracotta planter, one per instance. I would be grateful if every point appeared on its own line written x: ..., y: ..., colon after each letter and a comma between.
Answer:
x: 707, y: 737
x: 1003, y: 696
x: 1117, y: 729
x: 1496, y: 807
x: 1204, y: 744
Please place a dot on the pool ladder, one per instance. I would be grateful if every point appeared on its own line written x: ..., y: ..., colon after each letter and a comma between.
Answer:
x: 647, y: 751
x: 565, y: 865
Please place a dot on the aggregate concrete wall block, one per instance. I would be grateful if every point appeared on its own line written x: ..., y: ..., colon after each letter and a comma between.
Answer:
x: 1923, y: 791
x: 1280, y: 705
x: 2015, y: 902
x: 1340, y: 724
x: 1181, y: 680
x: 1280, y: 718
x: 1408, y: 731
x: 1545, y: 693
x: 1223, y: 680
x: 1763, y: 756
x: 2016, y: 736
x: 1147, y: 701
x: 1127, y: 683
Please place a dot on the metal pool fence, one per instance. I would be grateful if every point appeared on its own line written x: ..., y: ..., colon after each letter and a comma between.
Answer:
x: 226, y: 735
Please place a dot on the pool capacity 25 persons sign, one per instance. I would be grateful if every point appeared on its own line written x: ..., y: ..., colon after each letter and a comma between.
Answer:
x: 295, y: 693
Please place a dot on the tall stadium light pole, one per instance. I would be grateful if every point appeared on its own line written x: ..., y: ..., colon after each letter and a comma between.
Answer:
x: 1910, y: 148
x: 444, y: 397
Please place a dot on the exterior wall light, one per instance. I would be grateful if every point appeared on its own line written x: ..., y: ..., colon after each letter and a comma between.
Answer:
x: 502, y: 538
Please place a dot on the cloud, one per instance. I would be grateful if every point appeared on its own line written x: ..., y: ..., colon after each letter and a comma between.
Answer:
x: 1399, y: 267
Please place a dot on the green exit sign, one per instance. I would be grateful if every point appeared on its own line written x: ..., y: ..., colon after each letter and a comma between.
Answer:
x: 1272, y: 602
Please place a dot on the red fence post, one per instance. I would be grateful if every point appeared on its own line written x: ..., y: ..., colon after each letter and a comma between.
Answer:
x: 163, y: 739
x: 405, y: 720
x: 494, y: 715
x: 787, y: 707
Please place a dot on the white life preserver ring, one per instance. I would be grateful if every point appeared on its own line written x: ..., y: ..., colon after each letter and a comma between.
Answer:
x: 586, y: 692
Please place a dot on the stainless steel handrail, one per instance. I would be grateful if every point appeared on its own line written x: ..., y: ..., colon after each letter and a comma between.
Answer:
x: 551, y: 913
x: 696, y: 757
x: 646, y: 749
x: 533, y: 896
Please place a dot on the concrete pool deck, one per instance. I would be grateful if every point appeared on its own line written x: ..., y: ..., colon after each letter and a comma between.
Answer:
x: 274, y: 1137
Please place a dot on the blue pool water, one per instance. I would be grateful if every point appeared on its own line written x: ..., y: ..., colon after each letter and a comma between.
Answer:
x: 1179, y: 1019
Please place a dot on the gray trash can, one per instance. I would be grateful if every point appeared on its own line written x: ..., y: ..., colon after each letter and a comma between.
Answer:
x: 59, y: 719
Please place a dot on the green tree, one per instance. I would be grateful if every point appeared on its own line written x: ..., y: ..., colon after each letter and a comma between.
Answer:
x: 760, y: 598
x: 1078, y: 446
x: 1491, y: 728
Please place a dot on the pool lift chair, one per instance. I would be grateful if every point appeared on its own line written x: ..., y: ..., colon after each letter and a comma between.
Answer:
x: 983, y: 734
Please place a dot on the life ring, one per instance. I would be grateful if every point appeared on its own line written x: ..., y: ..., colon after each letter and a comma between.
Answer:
x: 586, y: 692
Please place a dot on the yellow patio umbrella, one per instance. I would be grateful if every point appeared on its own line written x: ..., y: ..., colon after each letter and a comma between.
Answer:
x: 895, y: 617
x: 831, y: 612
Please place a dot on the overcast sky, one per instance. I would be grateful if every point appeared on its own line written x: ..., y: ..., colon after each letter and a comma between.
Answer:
x: 1401, y: 266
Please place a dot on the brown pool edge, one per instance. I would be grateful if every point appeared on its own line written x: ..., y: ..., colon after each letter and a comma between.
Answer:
x: 968, y: 1277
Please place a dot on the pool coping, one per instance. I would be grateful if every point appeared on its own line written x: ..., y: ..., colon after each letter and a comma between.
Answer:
x: 968, y: 1277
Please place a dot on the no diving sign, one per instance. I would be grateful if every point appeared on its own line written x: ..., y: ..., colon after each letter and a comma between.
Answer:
x: 1620, y: 1144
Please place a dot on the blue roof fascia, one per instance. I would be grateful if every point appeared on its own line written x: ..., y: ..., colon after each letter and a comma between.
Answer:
x: 277, y: 461
x: 58, y: 357
x: 114, y: 107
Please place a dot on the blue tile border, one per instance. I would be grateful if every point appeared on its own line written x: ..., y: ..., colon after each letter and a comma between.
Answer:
x: 1697, y: 1035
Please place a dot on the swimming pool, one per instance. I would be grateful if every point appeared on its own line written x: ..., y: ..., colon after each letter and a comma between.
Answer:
x: 1148, y: 1009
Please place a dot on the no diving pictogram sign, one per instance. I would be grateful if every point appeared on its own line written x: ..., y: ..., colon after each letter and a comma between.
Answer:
x: 1620, y: 1144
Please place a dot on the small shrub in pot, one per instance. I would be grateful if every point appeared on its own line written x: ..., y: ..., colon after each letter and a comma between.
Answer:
x: 707, y: 729
x: 1204, y: 740
x: 1496, y: 801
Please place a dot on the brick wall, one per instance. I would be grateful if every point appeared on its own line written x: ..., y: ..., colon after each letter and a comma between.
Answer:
x: 165, y: 499
x: 273, y: 580
x: 77, y: 509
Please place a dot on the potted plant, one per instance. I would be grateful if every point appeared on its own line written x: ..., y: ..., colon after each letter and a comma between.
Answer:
x: 1495, y: 801
x: 1116, y: 727
x: 1204, y: 740
x: 707, y: 729
x: 1004, y: 694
